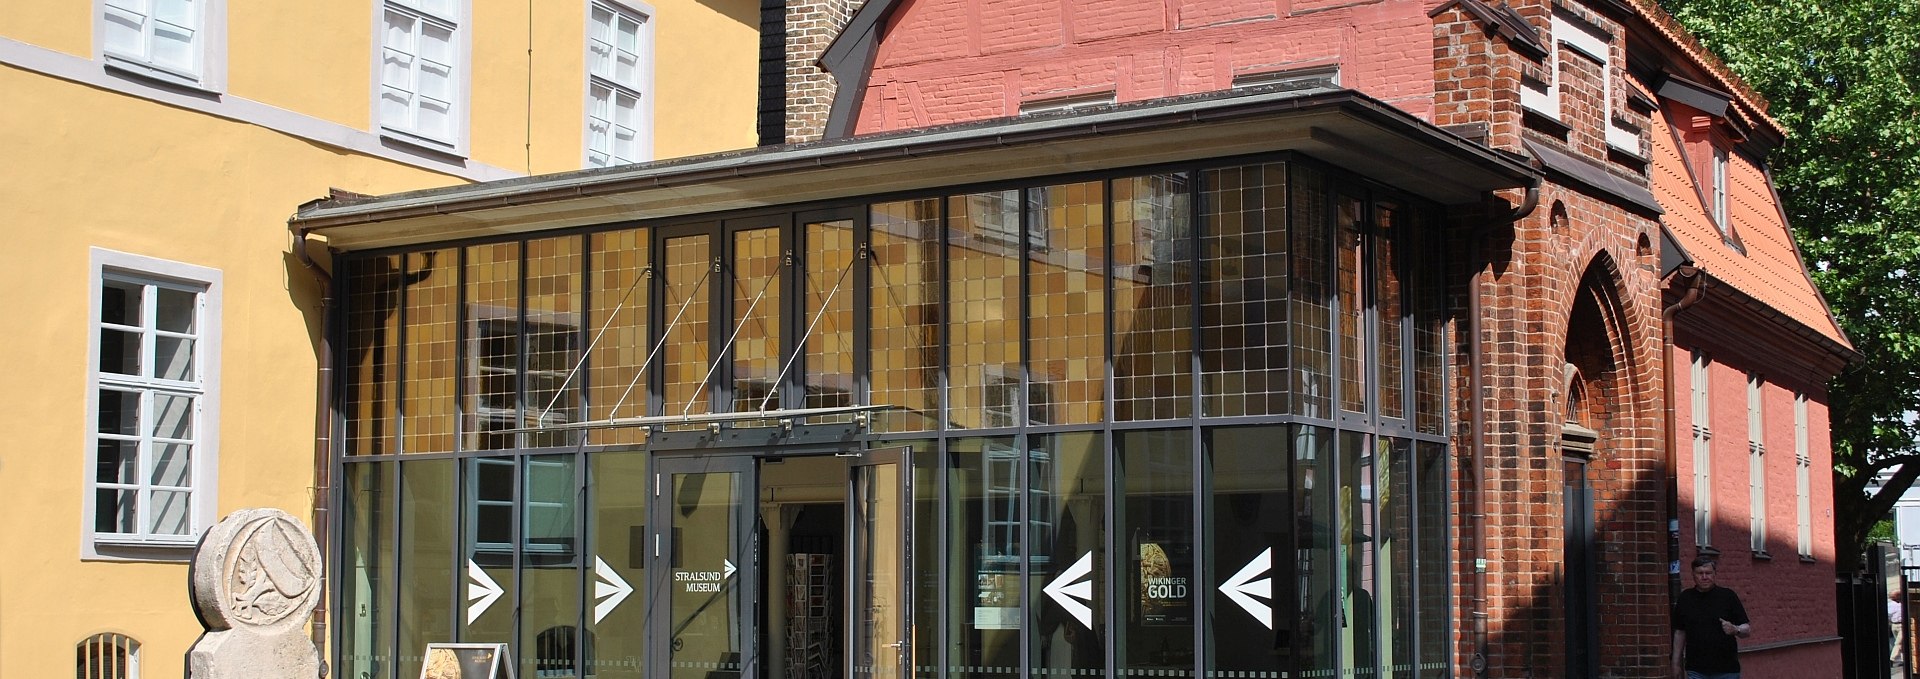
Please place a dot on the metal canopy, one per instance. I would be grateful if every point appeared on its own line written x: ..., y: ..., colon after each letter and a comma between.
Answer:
x: 786, y: 414
x: 1341, y: 127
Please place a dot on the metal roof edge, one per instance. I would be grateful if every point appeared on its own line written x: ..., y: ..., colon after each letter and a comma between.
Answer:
x: 1170, y: 113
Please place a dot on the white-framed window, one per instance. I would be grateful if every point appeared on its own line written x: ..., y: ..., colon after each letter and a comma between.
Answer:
x: 1719, y: 195
x: 1802, y: 477
x: 1756, y: 463
x: 619, y: 72
x: 152, y: 405
x: 421, y: 72
x: 107, y: 655
x: 1702, y: 450
x: 994, y: 217
x: 1069, y: 103
x: 1327, y: 75
x: 544, y: 491
x: 174, y: 41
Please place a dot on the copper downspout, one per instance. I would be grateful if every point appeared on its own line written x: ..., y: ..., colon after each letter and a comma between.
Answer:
x: 322, y: 424
x: 1669, y: 475
x: 1476, y: 386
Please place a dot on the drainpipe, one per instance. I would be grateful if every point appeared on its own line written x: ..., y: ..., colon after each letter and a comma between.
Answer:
x: 1476, y: 387
x: 322, y: 424
x: 1694, y: 284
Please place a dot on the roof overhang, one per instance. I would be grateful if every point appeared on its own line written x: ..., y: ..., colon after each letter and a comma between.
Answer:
x: 1341, y: 127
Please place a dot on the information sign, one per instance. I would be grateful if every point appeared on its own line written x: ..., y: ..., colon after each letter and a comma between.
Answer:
x: 467, y: 661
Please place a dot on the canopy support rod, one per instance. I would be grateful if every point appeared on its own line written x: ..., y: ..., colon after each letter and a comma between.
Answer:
x: 702, y: 283
x: 800, y: 347
x: 557, y: 393
x: 724, y: 348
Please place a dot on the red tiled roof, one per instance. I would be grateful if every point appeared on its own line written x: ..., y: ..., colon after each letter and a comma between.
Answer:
x: 1750, y: 101
x: 1770, y: 270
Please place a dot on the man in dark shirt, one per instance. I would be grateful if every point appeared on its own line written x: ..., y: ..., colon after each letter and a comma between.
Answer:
x: 1707, y: 623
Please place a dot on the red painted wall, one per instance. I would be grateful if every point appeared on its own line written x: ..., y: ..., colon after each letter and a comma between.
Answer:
x: 1789, y: 599
x: 947, y: 61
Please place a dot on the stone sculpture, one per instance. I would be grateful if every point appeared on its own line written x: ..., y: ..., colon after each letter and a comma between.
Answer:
x: 256, y: 577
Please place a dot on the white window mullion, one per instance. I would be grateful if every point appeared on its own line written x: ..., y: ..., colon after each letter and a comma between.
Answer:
x: 1702, y: 451
x: 1803, y: 481
x: 1756, y: 463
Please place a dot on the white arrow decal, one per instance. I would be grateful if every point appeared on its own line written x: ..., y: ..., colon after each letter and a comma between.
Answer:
x: 1242, y: 588
x: 609, y: 589
x: 482, y: 591
x: 1069, y: 591
x: 729, y: 568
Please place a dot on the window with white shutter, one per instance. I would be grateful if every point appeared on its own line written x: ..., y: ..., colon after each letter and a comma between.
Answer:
x: 1702, y: 452
x: 619, y: 61
x: 420, y: 71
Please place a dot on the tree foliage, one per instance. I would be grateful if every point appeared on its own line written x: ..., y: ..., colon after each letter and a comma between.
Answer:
x: 1843, y: 77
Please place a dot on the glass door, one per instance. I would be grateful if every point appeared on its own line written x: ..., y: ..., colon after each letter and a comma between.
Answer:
x: 705, y: 573
x: 879, y: 528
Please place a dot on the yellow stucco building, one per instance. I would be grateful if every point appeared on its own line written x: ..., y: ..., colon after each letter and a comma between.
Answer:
x: 153, y: 152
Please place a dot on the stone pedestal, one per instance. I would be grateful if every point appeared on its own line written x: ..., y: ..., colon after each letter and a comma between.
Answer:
x: 256, y: 578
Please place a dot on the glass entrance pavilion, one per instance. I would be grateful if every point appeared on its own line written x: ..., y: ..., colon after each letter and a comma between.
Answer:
x: 1051, y: 409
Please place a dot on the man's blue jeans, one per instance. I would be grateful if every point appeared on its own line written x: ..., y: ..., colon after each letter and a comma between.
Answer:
x: 1712, y: 675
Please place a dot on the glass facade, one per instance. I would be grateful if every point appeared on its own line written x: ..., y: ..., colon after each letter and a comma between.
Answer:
x: 1173, y: 422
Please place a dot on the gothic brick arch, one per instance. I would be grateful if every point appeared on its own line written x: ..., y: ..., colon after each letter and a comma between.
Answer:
x: 1599, y: 346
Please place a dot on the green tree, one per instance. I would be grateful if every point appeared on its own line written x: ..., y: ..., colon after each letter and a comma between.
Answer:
x: 1841, y: 76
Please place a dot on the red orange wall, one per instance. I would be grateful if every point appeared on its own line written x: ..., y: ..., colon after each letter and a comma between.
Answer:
x: 1776, y: 591
x: 946, y: 61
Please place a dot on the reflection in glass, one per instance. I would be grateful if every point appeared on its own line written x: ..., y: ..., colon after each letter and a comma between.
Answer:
x: 1155, y: 530
x: 550, y: 639
x: 1250, y: 519
x: 1152, y: 298
x: 879, y: 516
x: 1066, y: 297
x: 1396, y: 574
x: 428, y: 363
x: 552, y: 339
x: 490, y: 355
x: 616, y: 376
x: 1243, y: 312
x: 705, y: 599
x: 828, y: 321
x: 687, y: 350
x: 1388, y: 307
x: 1066, y: 477
x: 1360, y: 602
x: 1429, y: 297
x: 755, y: 326
x: 928, y: 569
x: 614, y: 646
x: 983, y: 311
x: 1431, y: 564
x: 428, y: 566
x: 1312, y: 295
x: 904, y: 337
x: 488, y: 547
x: 1353, y: 305
x: 983, y: 548
x: 366, y: 524
x: 372, y: 352
x: 1319, y: 600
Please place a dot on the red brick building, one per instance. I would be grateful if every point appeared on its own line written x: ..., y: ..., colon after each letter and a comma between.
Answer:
x: 1651, y: 146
